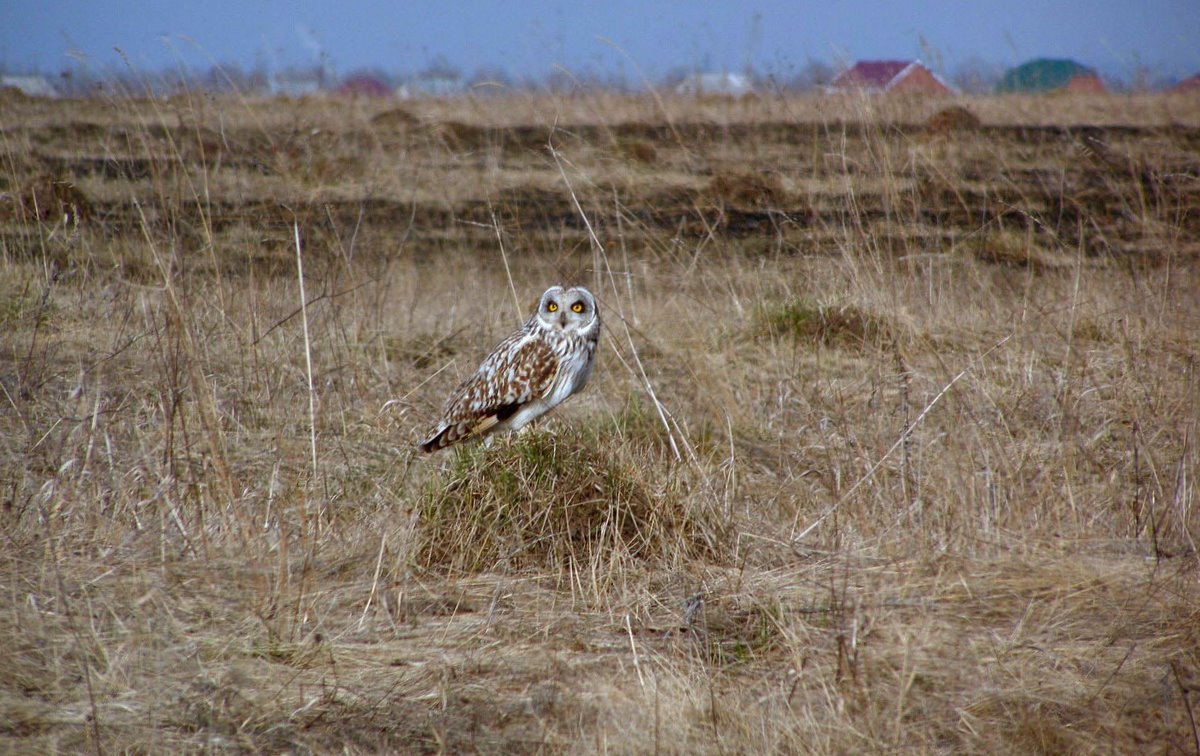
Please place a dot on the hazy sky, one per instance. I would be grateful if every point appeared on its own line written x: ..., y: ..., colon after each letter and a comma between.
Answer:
x: 528, y: 38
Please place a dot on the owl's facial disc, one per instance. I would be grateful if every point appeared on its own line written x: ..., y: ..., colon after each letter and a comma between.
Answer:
x: 562, y: 310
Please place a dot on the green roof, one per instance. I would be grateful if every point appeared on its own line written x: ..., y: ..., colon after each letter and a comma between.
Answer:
x: 1042, y: 75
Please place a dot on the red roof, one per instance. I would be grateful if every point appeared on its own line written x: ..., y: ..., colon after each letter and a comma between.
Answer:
x: 900, y: 76
x: 1190, y: 84
x: 871, y: 73
x: 363, y: 85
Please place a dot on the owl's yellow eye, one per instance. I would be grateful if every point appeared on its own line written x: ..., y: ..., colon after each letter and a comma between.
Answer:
x: 577, y: 307
x: 552, y: 307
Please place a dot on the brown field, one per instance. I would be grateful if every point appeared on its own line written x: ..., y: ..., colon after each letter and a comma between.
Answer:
x: 893, y: 445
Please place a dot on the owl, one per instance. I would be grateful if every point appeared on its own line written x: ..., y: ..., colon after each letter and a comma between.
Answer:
x: 528, y: 374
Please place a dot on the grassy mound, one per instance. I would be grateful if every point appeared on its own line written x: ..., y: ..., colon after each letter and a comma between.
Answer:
x: 53, y: 198
x: 636, y: 151
x: 561, y: 500
x: 746, y: 190
x: 395, y: 118
x: 844, y: 326
x: 1013, y: 249
x: 951, y: 119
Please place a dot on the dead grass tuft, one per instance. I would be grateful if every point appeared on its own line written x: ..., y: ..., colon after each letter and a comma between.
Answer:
x: 13, y: 96
x: 459, y: 136
x: 636, y: 150
x: 425, y: 351
x: 843, y: 326
x: 742, y: 190
x: 395, y: 118
x: 733, y: 630
x: 951, y: 119
x: 51, y: 198
x: 556, y: 501
x: 1014, y: 249
x: 22, y: 304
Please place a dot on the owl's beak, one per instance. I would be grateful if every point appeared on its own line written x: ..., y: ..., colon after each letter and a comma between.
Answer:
x: 562, y: 320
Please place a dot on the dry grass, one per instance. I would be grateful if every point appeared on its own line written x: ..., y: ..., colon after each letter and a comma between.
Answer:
x: 952, y: 119
x: 923, y: 476
x: 564, y: 502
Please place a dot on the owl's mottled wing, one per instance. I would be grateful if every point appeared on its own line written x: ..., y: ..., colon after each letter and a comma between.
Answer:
x: 520, y: 370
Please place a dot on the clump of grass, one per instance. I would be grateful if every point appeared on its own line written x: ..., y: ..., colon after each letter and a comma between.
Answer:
x: 553, y: 501
x: 424, y: 350
x: 639, y: 426
x: 1015, y: 249
x: 746, y: 190
x: 395, y: 118
x: 19, y: 300
x: 13, y: 96
x: 732, y: 630
x: 53, y: 198
x: 951, y: 119
x: 636, y: 150
x: 838, y: 326
x: 312, y: 159
x: 460, y: 136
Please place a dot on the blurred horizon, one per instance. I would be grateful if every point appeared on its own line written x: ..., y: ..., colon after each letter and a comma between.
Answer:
x: 621, y: 44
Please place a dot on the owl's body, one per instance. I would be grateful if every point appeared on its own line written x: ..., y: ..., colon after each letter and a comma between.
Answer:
x: 528, y: 374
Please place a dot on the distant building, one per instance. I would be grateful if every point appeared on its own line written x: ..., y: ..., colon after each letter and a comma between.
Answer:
x: 363, y: 85
x: 1190, y: 85
x: 1050, y: 75
x: 296, y: 84
x: 731, y: 84
x: 431, y: 86
x: 890, y: 76
x: 30, y: 86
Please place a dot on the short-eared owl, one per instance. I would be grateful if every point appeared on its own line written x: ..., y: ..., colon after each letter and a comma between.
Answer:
x: 526, y: 375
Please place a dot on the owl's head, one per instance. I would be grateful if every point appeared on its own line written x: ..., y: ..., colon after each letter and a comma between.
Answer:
x: 570, y: 310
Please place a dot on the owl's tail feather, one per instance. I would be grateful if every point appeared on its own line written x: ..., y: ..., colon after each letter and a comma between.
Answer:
x: 440, y: 440
x: 454, y: 432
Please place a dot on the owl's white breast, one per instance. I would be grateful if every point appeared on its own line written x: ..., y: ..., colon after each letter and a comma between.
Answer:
x: 573, y: 374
